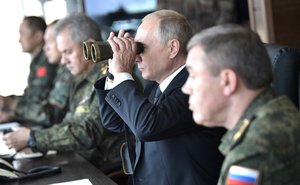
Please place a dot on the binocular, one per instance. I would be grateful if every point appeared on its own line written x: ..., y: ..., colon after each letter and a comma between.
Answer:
x: 99, y: 51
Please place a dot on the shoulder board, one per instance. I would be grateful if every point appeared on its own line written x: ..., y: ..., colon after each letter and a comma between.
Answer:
x: 237, y: 137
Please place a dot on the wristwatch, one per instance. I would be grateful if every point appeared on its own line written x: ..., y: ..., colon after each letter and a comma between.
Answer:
x: 31, y: 140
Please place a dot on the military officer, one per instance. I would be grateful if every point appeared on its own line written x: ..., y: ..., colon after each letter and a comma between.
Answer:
x: 229, y: 86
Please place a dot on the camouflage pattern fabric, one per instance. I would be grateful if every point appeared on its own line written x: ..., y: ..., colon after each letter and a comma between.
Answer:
x: 202, y: 13
x: 52, y: 109
x: 265, y: 139
x: 40, y: 82
x: 81, y: 129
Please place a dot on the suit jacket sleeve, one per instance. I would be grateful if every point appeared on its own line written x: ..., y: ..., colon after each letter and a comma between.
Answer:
x: 149, y: 122
x: 109, y: 118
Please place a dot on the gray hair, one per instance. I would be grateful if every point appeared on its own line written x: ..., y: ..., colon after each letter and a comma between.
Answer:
x: 238, y: 48
x: 172, y: 25
x: 81, y: 27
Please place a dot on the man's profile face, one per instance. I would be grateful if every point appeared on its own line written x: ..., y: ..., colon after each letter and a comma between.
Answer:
x: 153, y: 62
x: 50, y: 47
x: 204, y: 89
x: 72, y: 53
x: 27, y: 39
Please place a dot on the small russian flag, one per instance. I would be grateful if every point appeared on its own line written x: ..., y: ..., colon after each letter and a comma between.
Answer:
x: 242, y: 176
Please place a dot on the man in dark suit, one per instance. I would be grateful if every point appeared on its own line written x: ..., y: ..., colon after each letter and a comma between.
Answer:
x: 170, y: 148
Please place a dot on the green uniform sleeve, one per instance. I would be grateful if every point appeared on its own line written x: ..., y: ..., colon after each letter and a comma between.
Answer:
x: 79, y: 132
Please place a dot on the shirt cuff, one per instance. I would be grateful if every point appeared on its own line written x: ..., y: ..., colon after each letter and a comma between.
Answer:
x: 121, y: 77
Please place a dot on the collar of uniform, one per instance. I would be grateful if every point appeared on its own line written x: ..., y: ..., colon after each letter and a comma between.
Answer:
x: 37, y: 58
x: 232, y: 137
x: 38, y: 55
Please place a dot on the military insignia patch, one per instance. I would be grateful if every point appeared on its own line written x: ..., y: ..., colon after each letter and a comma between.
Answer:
x: 242, y: 129
x: 239, y: 175
x: 82, y: 109
x: 41, y: 72
x: 103, y: 69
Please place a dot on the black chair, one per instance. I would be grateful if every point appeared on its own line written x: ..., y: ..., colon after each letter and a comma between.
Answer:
x: 286, y: 69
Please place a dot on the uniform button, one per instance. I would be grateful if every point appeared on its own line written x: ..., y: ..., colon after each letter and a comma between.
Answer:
x: 119, y: 104
x: 114, y: 97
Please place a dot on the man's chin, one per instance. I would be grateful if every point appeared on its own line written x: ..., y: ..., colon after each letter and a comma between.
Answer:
x: 74, y: 73
x: 199, y: 120
x: 145, y: 77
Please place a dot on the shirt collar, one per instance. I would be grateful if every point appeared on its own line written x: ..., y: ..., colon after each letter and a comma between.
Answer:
x: 169, y: 79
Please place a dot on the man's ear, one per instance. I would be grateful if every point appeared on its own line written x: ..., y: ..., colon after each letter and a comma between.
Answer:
x: 174, y: 47
x: 39, y: 36
x: 229, y: 81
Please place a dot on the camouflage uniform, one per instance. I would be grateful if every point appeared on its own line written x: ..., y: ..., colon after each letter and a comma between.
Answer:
x: 266, y: 139
x: 52, y: 109
x: 81, y: 129
x: 40, y: 82
x: 202, y: 13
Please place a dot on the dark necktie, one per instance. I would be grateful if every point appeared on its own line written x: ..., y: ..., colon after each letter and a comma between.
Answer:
x: 157, y: 94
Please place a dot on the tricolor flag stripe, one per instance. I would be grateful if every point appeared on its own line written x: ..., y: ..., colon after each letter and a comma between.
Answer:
x: 242, y: 176
x: 237, y: 182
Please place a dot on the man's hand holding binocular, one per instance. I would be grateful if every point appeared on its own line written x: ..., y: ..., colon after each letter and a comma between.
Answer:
x: 124, y: 53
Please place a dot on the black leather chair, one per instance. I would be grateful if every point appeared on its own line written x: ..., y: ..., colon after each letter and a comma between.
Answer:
x: 286, y: 69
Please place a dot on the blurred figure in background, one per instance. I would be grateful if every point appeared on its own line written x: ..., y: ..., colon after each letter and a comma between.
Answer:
x: 41, y: 75
x: 53, y: 108
x: 81, y: 129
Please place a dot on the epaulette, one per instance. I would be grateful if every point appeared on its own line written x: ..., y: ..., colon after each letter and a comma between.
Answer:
x: 104, y: 68
x: 238, y: 136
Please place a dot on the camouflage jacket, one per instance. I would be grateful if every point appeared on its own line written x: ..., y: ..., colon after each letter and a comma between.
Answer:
x: 53, y: 108
x: 81, y: 129
x: 202, y: 13
x: 267, y: 140
x: 40, y: 82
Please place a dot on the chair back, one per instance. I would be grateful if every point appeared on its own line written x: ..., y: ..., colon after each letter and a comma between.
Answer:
x: 286, y: 70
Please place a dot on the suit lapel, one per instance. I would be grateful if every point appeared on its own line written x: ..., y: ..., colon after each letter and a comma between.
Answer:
x: 177, y: 82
